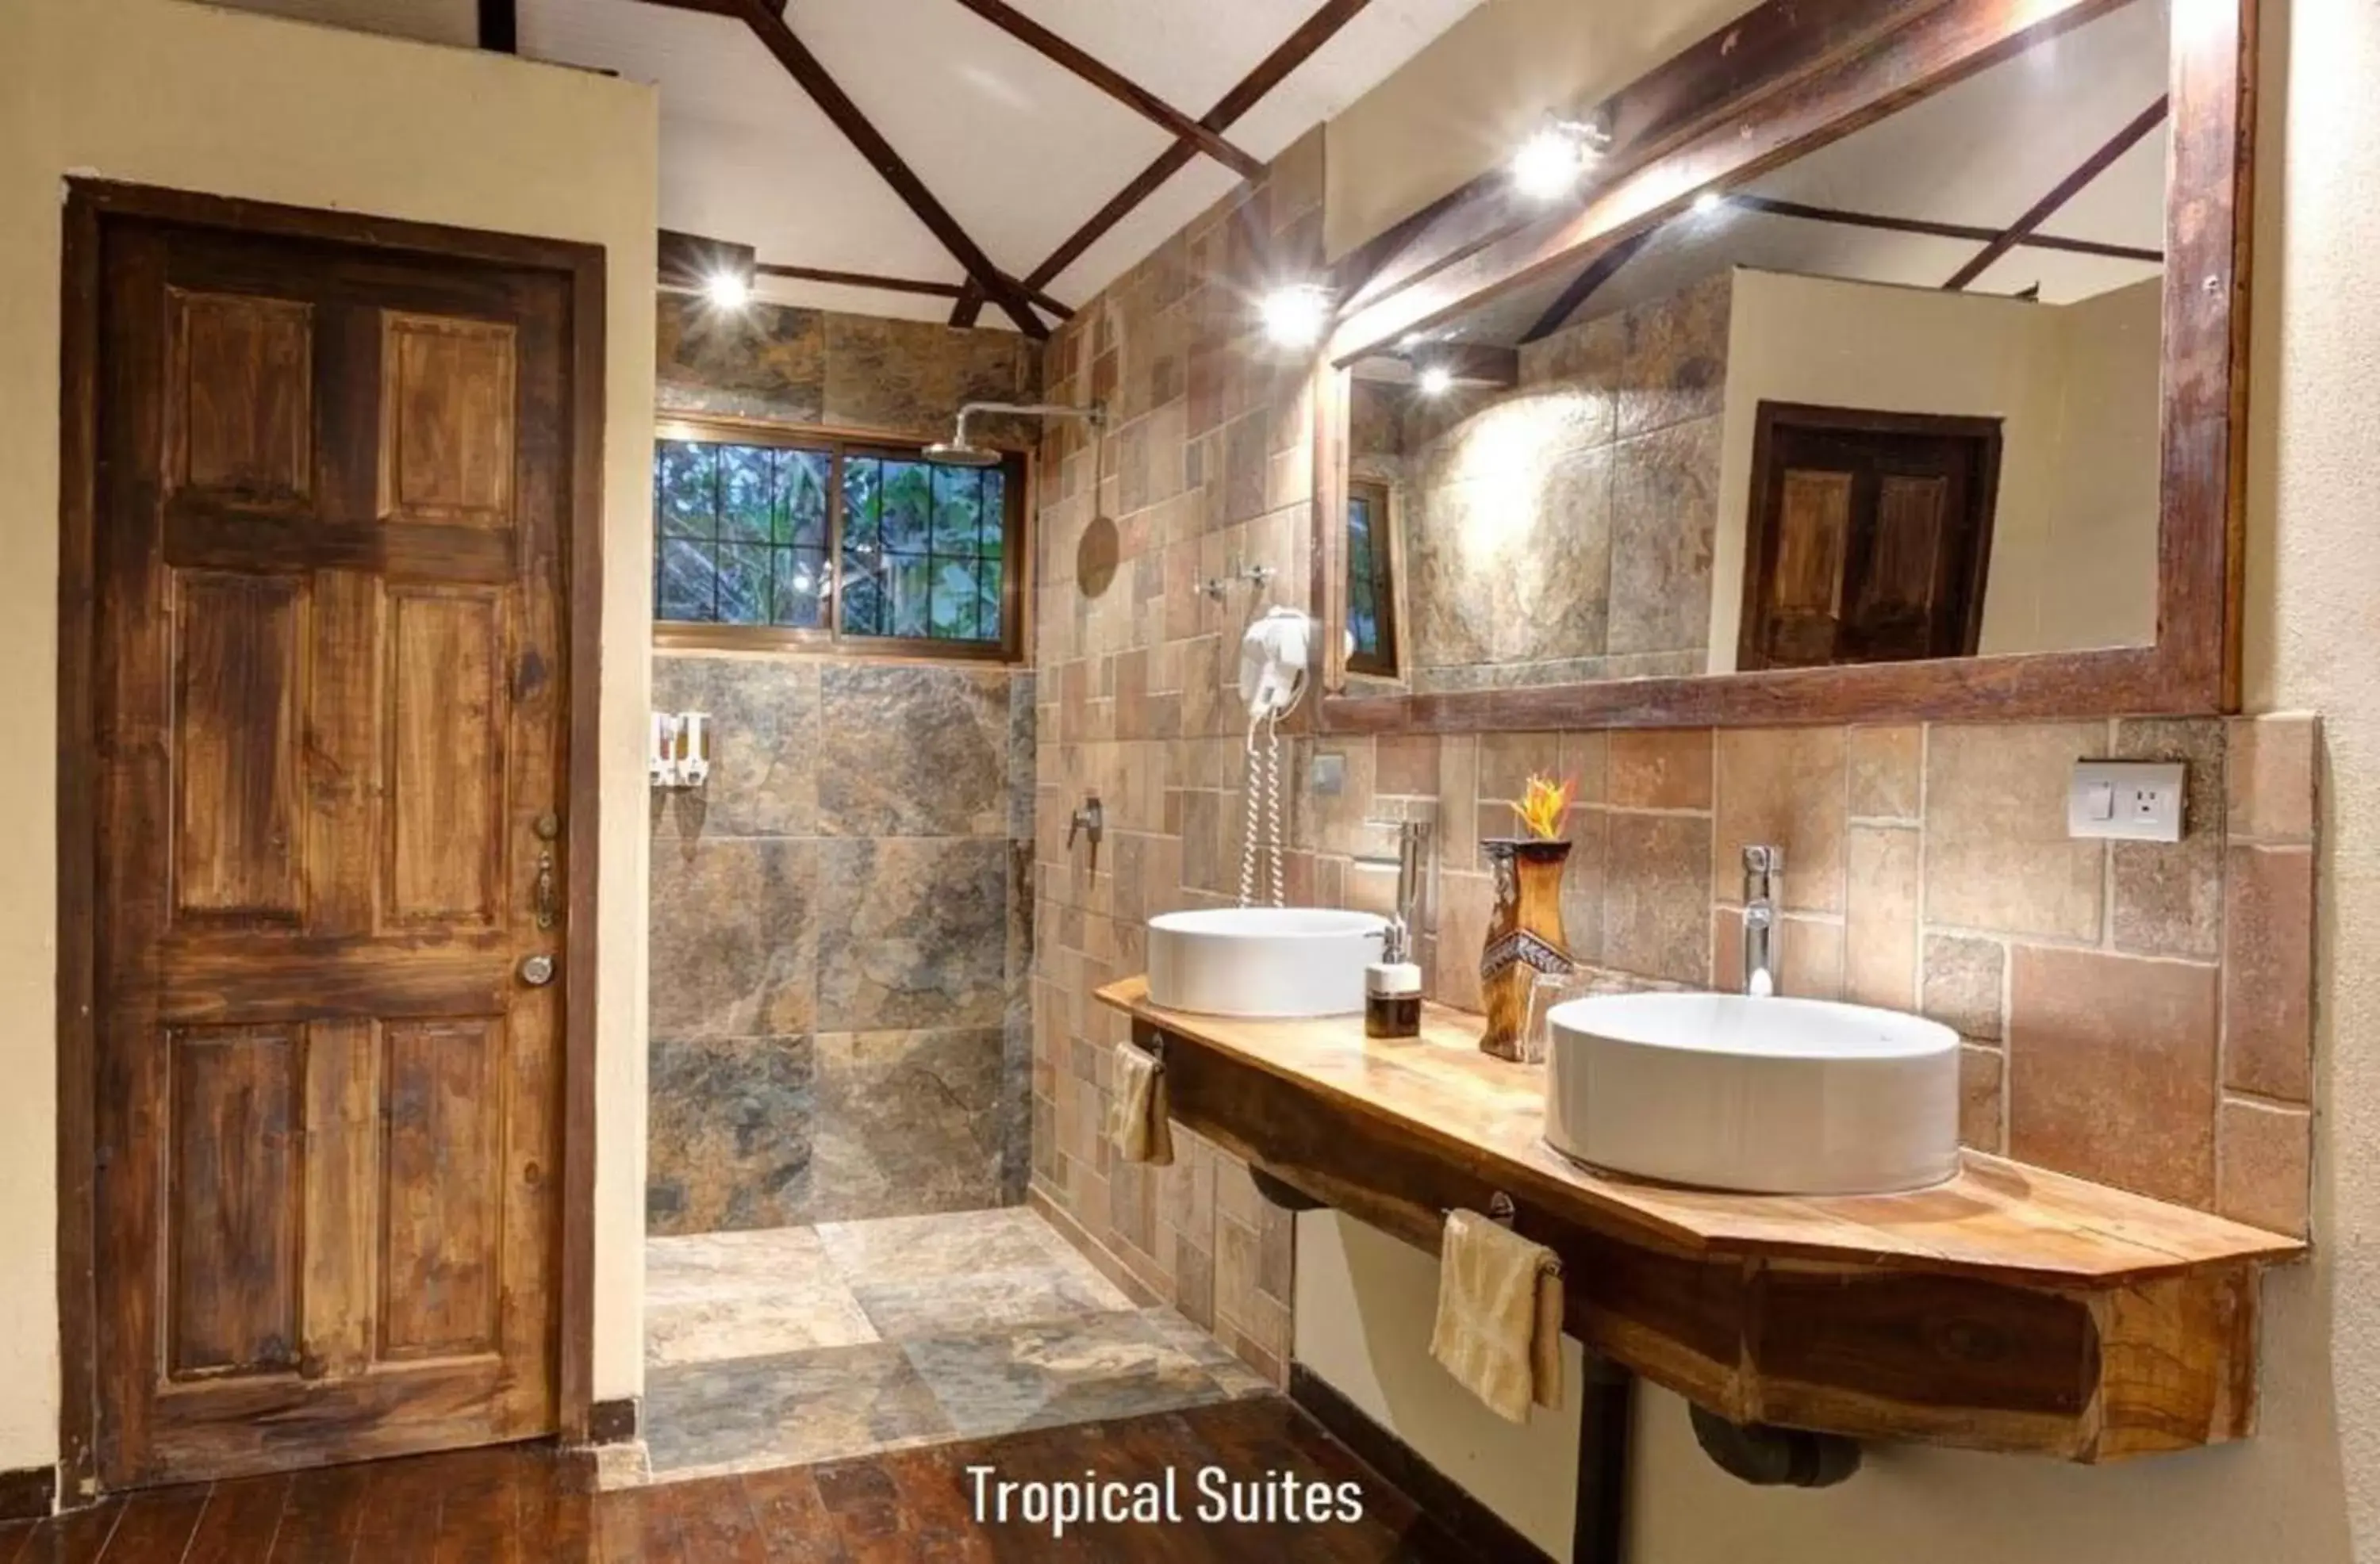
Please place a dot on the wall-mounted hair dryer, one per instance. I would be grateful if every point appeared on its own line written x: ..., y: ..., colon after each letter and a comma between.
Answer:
x: 1273, y: 656
x: 1272, y: 679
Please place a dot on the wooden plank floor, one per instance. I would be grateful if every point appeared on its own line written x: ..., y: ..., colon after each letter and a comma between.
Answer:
x: 526, y: 1505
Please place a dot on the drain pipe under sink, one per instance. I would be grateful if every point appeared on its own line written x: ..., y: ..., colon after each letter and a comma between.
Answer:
x: 1605, y: 1429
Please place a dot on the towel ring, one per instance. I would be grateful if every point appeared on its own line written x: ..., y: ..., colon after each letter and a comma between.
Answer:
x: 1501, y: 1209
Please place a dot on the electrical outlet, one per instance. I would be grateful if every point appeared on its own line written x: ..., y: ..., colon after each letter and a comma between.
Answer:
x: 2125, y: 800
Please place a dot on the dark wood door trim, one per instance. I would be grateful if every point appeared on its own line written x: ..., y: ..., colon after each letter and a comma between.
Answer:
x: 1770, y: 423
x: 91, y: 205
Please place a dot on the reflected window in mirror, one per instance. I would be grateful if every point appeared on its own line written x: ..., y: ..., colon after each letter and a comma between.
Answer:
x: 1371, y: 582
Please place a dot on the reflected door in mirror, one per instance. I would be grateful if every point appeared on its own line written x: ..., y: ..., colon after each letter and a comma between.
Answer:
x: 1870, y: 536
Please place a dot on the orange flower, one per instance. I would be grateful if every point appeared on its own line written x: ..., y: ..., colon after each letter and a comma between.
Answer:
x: 1545, y: 806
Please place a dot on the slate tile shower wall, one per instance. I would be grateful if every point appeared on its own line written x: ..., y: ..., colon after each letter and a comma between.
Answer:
x: 2135, y: 1012
x: 1563, y: 529
x: 840, y: 929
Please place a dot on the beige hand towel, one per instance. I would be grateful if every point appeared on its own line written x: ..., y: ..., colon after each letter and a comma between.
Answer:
x: 1500, y: 1309
x: 1138, y: 1125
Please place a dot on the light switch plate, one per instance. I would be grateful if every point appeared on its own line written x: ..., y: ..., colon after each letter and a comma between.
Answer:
x: 2125, y: 800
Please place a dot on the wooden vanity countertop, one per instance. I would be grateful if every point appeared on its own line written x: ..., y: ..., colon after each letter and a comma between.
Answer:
x: 1997, y: 1219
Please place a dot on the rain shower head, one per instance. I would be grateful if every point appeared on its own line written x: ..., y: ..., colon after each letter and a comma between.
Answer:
x: 959, y: 452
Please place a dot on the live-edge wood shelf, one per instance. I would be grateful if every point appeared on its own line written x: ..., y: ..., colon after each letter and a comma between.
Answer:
x: 2010, y: 1309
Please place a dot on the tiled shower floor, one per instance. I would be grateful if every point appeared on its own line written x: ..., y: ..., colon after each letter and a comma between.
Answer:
x: 793, y: 1345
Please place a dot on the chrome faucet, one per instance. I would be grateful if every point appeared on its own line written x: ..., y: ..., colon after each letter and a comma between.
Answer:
x: 1413, y: 864
x: 1762, y: 865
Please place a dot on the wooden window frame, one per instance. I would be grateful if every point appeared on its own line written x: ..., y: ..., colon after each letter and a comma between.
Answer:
x: 677, y: 635
x: 1760, y: 542
x: 1384, y: 663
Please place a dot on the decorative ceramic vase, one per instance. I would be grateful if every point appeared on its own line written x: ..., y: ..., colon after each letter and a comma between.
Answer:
x: 1525, y: 937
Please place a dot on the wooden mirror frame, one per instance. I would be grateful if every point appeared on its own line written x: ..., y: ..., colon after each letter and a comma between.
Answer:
x: 1785, y: 79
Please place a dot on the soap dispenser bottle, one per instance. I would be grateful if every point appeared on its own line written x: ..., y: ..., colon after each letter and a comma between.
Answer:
x: 1393, y: 989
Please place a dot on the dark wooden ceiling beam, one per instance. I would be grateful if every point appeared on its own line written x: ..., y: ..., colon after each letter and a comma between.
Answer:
x: 1927, y: 227
x: 689, y: 261
x: 813, y: 77
x: 2065, y: 191
x: 1758, y: 57
x: 1295, y: 49
x: 1583, y: 287
x: 1115, y: 84
x: 890, y: 284
x: 500, y: 25
x: 1733, y: 140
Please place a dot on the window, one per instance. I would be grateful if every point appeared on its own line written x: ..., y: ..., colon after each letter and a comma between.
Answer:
x: 768, y: 538
x: 1371, y: 583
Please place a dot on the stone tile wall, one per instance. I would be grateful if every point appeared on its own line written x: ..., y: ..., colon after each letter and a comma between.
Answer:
x: 1563, y: 529
x: 838, y: 953
x: 840, y: 929
x: 2135, y: 1012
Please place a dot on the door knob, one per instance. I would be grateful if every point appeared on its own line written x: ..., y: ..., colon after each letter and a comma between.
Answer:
x: 537, y: 971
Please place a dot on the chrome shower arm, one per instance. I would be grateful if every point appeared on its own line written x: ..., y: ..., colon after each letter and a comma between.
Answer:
x: 1094, y: 414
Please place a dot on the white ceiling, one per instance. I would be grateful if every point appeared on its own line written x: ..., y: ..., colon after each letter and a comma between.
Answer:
x: 1979, y: 153
x: 1021, y: 151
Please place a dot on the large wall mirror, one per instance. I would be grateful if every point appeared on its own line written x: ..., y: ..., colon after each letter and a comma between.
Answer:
x: 1925, y: 410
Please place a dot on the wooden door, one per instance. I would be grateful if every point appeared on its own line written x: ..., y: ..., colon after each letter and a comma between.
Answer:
x: 331, y: 511
x: 1870, y: 536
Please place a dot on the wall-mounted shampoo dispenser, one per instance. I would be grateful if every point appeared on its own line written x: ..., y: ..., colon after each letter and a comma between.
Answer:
x: 680, y: 756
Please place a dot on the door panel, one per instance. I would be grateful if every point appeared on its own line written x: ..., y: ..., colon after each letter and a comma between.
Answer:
x: 238, y: 668
x: 445, y: 786
x: 233, y: 1203
x: 331, y: 623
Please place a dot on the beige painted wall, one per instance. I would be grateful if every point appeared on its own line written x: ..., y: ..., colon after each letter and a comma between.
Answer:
x: 2307, y: 1489
x: 430, y: 21
x: 2074, y: 539
x: 1465, y: 102
x: 164, y: 93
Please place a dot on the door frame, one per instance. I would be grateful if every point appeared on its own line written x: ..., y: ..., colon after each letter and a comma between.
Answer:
x: 1987, y: 431
x: 90, y: 205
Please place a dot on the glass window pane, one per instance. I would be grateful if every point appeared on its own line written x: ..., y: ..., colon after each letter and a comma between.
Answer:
x: 862, y: 505
x: 958, y: 511
x: 995, y: 513
x: 685, y: 499
x: 747, y: 478
x: 743, y: 584
x: 987, y: 612
x: 863, y: 606
x: 908, y: 506
x: 912, y: 595
x: 687, y: 584
x: 954, y: 608
x: 802, y: 479
x: 798, y: 582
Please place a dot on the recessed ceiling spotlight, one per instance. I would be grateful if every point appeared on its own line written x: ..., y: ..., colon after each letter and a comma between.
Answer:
x: 1547, y: 165
x: 727, y: 290
x: 1707, y: 202
x: 1294, y: 316
x: 1436, y: 381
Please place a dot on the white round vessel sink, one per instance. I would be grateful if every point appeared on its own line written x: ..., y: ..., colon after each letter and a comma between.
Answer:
x: 1271, y: 963
x: 1766, y: 1095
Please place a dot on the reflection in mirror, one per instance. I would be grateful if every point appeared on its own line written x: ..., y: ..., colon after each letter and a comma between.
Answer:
x: 1896, y: 399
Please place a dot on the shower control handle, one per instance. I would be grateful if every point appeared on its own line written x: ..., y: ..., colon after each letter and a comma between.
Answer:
x: 1090, y: 820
